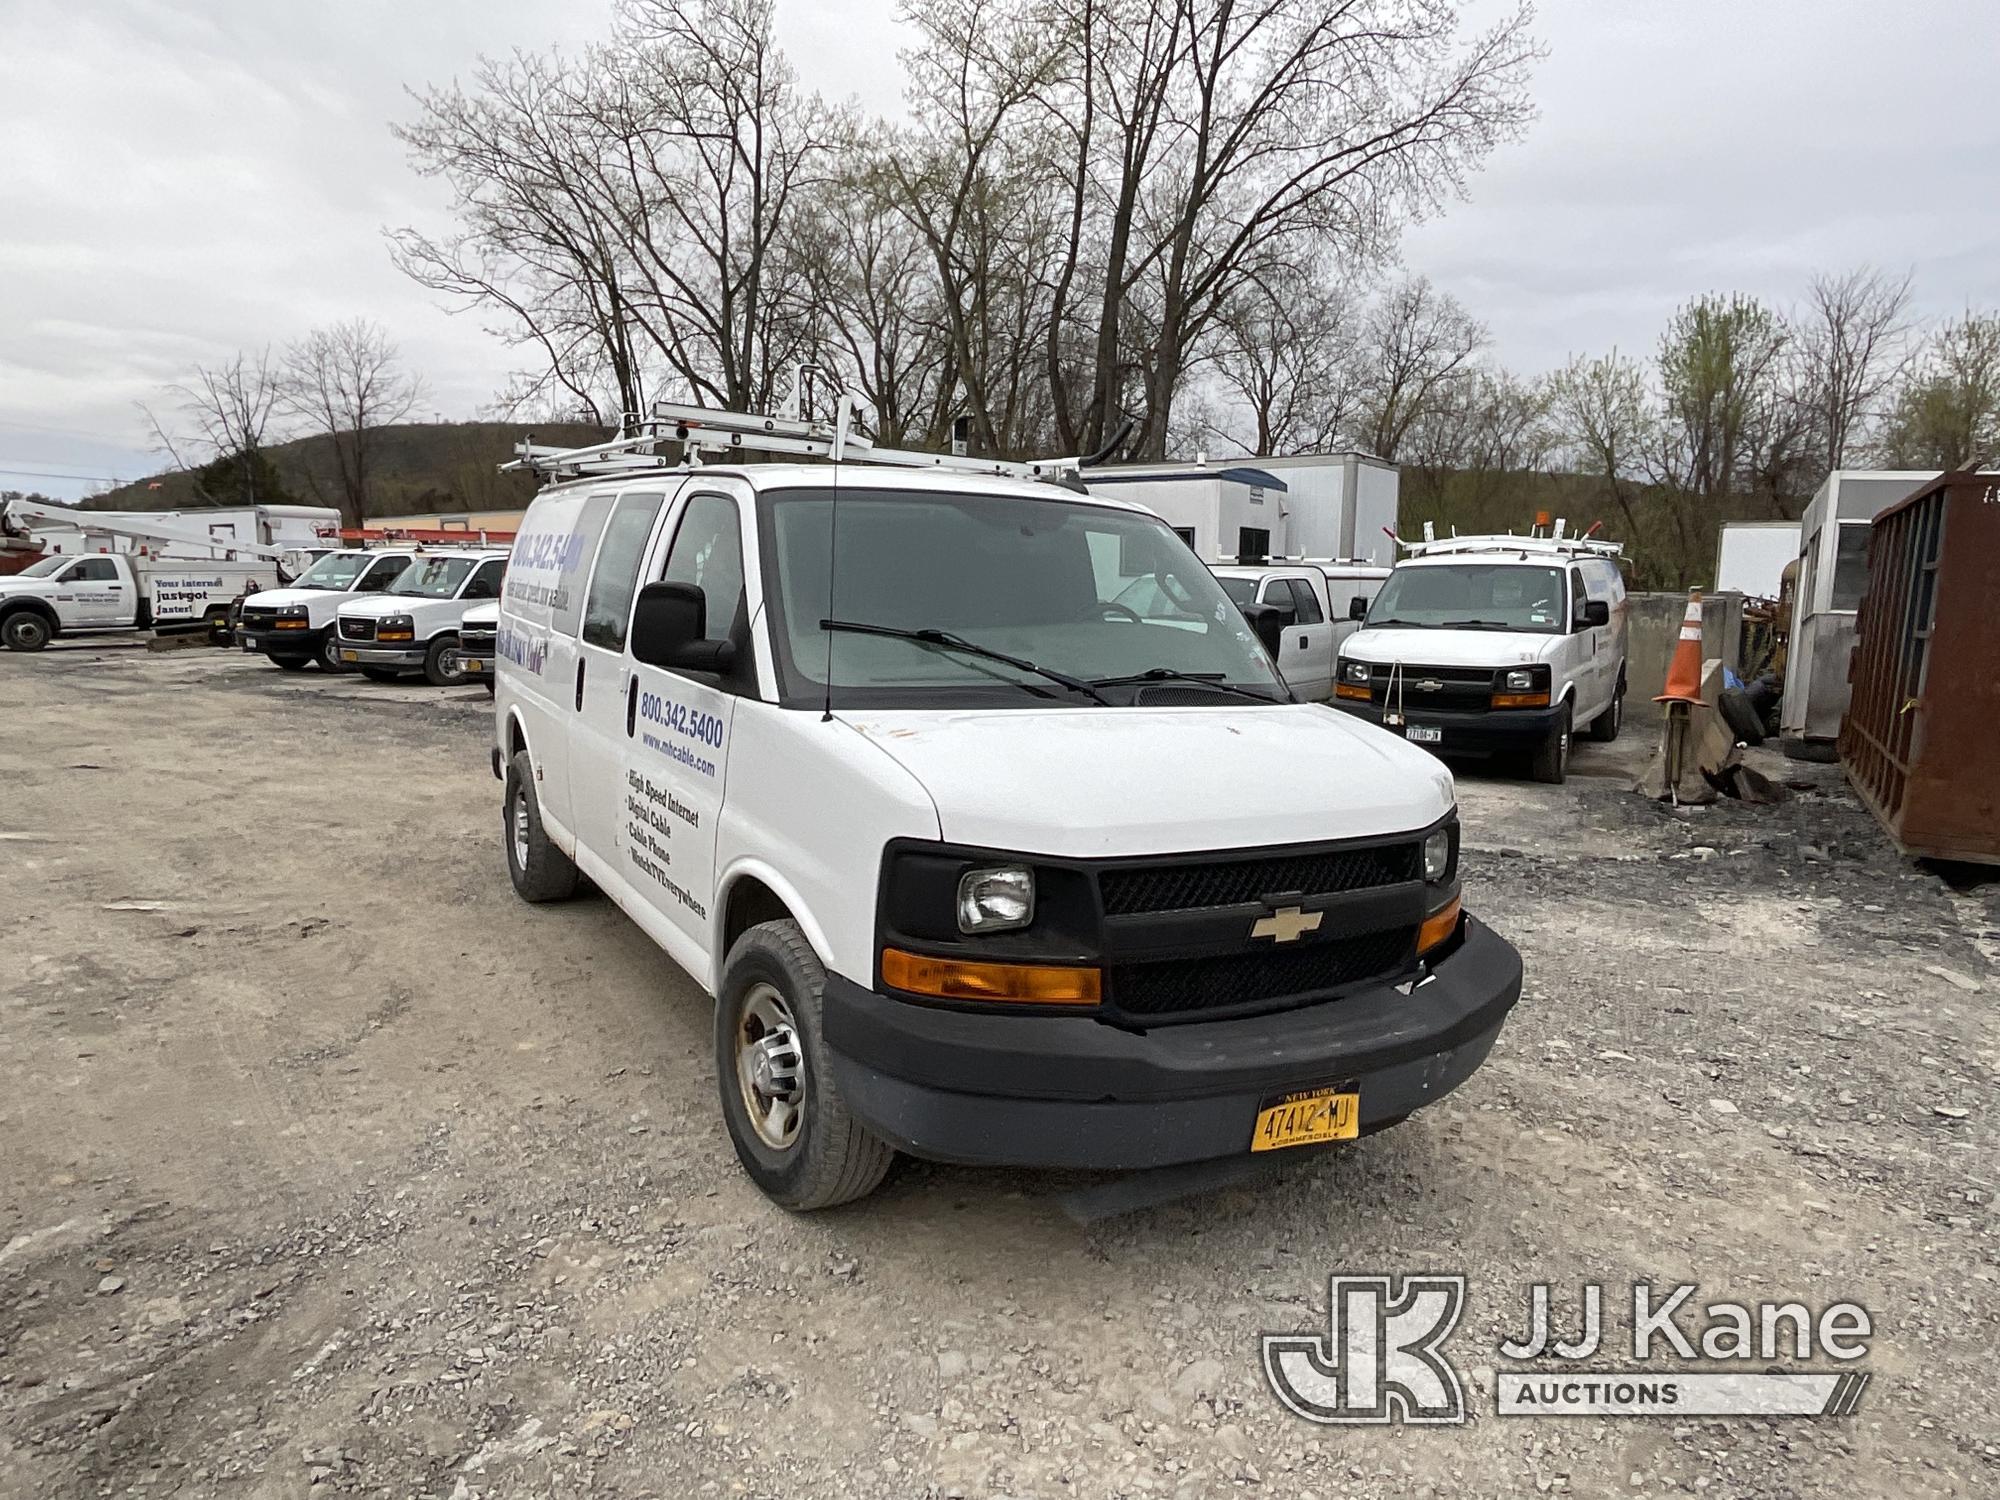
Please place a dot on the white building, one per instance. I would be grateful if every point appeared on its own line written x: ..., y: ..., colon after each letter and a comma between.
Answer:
x: 1322, y: 505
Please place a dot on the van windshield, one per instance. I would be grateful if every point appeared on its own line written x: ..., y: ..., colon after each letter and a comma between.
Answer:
x: 1471, y: 596
x: 336, y: 571
x: 1082, y: 592
x: 432, y: 577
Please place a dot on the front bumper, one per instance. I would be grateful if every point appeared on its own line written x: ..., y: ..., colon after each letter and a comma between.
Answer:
x: 1496, y: 731
x: 381, y: 656
x: 286, y: 643
x: 1070, y: 1091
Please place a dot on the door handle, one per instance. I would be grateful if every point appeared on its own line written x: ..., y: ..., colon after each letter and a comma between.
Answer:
x: 579, y: 685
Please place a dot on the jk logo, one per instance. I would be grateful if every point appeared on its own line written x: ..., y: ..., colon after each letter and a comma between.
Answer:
x: 1378, y: 1361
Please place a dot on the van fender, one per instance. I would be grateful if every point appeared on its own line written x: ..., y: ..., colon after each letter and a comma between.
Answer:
x: 749, y: 866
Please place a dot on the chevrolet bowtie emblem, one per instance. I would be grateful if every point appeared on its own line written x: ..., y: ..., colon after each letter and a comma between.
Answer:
x: 1428, y: 685
x: 1287, y: 924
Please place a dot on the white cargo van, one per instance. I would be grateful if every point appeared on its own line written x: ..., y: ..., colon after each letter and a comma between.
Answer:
x: 1494, y: 646
x: 982, y: 861
x: 412, y: 625
x: 294, y: 626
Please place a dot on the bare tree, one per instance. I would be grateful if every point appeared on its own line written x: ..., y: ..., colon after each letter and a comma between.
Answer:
x: 1850, y: 345
x: 345, y: 381
x: 1416, y: 345
x: 1603, y: 413
x: 1284, y: 348
x: 223, y: 412
x: 1946, y: 414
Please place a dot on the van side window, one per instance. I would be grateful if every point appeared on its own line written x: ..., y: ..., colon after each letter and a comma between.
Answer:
x: 383, y: 572
x: 708, y: 553
x: 1578, y: 593
x: 1307, y: 601
x: 485, y: 581
x: 607, y: 610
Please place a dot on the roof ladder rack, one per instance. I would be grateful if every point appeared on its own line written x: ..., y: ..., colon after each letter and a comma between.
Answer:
x: 702, y: 431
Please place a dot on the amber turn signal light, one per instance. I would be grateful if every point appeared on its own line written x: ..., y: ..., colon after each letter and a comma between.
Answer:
x: 1539, y: 699
x: 1021, y: 984
x: 1350, y: 690
x: 1438, y: 926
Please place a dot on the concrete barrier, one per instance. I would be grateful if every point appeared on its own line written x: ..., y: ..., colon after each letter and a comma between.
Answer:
x: 1653, y: 628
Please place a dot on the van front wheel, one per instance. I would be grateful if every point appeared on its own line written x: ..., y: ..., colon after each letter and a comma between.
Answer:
x: 1550, y: 762
x: 540, y: 871
x: 786, y: 1117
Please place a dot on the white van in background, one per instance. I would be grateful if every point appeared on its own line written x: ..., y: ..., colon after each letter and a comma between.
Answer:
x: 412, y: 625
x: 1494, y: 646
x: 293, y: 626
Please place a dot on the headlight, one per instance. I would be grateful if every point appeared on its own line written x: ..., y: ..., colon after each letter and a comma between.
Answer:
x: 1355, y: 672
x: 1437, y: 855
x: 1520, y: 682
x: 996, y: 900
x: 395, y: 628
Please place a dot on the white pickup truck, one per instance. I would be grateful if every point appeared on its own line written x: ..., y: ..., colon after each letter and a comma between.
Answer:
x: 294, y: 626
x: 412, y: 625
x: 99, y: 592
x: 1307, y: 613
x: 979, y: 810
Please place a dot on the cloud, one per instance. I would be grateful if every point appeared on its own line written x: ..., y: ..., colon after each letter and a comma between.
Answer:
x: 186, y: 179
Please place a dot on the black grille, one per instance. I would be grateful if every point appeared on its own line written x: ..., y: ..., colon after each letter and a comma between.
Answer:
x: 1235, y: 882
x: 1185, y: 695
x: 357, y: 630
x: 482, y: 639
x: 1265, y: 977
x: 260, y: 619
x: 1466, y: 689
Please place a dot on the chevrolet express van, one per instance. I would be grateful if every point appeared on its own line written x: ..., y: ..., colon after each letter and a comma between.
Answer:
x: 978, y: 863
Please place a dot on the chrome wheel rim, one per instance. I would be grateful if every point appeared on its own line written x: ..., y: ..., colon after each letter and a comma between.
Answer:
x: 520, y: 826
x: 770, y: 1067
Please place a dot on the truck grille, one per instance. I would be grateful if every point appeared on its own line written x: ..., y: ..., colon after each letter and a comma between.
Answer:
x: 357, y: 630
x: 477, y: 638
x: 1463, y: 689
x: 1234, y: 882
x: 259, y: 619
x: 1185, y: 987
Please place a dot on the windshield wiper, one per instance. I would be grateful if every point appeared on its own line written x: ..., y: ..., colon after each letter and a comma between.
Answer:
x: 1392, y: 620
x: 945, y: 640
x: 1477, y: 625
x: 1173, y: 674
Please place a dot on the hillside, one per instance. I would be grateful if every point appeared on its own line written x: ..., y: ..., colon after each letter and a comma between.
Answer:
x: 419, y: 467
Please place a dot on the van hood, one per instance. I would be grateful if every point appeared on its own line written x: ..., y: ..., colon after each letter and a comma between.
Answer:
x: 417, y: 607
x: 1449, y: 648
x: 280, y: 598
x: 1110, y: 782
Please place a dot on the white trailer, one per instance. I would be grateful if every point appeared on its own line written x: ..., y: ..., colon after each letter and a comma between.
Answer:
x: 1312, y: 505
x: 1751, y: 557
x: 1833, y: 575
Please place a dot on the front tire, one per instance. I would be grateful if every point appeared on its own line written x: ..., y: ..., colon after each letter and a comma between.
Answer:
x: 329, y: 655
x: 25, y: 630
x: 442, y: 667
x: 540, y: 871
x: 791, y: 1128
x: 1550, y: 763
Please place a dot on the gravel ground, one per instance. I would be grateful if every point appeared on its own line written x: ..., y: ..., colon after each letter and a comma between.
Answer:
x: 330, y: 1167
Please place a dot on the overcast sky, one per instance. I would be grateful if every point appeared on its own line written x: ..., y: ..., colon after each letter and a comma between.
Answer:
x: 179, y: 180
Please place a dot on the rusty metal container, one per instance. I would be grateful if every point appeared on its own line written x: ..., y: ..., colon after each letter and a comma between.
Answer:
x: 1921, y: 740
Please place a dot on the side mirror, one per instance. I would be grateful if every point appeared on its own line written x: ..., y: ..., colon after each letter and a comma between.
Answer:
x: 1594, y: 612
x: 1268, y: 621
x: 1357, y: 608
x: 670, y: 630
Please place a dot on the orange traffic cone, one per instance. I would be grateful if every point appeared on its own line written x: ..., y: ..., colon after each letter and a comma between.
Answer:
x: 1684, y: 671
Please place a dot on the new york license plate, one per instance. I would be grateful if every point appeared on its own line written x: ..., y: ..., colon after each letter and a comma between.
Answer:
x: 1308, y: 1116
x: 350, y: 656
x: 1423, y: 734
x: 471, y: 664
